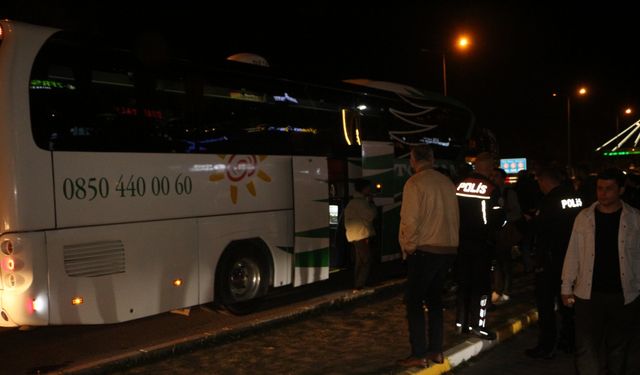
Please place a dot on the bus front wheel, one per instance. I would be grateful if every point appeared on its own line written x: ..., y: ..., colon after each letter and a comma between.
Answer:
x: 242, y: 278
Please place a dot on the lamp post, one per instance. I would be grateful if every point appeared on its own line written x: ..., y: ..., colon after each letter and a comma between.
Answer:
x: 582, y: 91
x: 463, y: 43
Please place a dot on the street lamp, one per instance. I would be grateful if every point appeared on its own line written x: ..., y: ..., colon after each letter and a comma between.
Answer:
x: 582, y: 91
x: 625, y: 112
x: 463, y: 43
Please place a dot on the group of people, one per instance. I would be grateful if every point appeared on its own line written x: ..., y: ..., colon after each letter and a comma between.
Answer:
x: 586, y: 259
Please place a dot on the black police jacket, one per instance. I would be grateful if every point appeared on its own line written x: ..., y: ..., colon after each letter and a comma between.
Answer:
x: 480, y: 212
x: 553, y: 224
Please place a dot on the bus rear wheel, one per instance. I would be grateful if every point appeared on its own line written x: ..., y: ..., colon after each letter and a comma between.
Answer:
x: 242, y: 278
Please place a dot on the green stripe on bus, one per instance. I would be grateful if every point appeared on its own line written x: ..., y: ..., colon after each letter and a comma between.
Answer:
x: 315, y: 233
x: 315, y: 258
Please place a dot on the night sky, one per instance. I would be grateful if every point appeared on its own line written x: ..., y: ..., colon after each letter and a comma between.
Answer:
x: 522, y: 52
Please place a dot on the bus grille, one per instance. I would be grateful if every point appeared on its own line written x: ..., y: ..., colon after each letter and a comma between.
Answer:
x: 94, y: 259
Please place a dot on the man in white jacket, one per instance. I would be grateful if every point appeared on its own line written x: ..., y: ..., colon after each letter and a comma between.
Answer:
x: 601, y: 278
x: 429, y: 226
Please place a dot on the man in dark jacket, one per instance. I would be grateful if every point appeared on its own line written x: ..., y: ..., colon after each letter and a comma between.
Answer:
x: 552, y: 230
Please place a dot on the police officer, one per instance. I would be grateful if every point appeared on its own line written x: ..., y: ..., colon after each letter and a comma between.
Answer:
x: 480, y: 217
x: 552, y: 229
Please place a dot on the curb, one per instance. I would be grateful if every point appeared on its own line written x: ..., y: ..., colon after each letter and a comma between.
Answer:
x: 181, y: 345
x: 474, y: 346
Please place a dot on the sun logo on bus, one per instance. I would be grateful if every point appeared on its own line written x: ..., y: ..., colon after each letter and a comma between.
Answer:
x: 238, y: 168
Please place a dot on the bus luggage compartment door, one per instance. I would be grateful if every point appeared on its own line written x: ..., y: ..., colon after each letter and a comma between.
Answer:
x: 311, y: 224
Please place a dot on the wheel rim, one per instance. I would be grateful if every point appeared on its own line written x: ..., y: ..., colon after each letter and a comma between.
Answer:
x: 244, y: 279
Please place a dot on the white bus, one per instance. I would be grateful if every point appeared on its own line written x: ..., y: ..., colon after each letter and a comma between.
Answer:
x: 135, y: 184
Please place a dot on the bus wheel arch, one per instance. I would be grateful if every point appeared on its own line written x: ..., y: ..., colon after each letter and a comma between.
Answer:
x: 243, y: 275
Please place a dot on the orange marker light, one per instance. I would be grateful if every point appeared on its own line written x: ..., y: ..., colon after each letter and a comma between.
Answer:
x: 77, y: 301
x: 11, y: 264
x: 177, y: 282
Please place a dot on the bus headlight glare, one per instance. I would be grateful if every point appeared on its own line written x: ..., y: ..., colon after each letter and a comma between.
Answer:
x: 38, y: 304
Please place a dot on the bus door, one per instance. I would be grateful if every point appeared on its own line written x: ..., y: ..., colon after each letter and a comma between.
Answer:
x: 311, y: 219
x: 339, y: 249
x: 378, y: 167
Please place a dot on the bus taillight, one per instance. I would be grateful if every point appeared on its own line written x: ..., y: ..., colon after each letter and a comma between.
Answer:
x: 9, y: 264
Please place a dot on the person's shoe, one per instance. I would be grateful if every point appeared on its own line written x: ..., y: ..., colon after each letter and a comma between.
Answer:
x: 566, y: 346
x: 436, y: 357
x: 483, y: 334
x: 412, y: 361
x: 540, y: 352
x: 461, y: 330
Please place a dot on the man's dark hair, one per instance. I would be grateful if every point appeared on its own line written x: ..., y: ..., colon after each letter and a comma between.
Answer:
x: 502, y: 172
x: 613, y: 174
x: 552, y: 173
x: 360, y: 184
x: 422, y: 152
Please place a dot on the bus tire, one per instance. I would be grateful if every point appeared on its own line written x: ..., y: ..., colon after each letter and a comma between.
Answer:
x: 242, y: 277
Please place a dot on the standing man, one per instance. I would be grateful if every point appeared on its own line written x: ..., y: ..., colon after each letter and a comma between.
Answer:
x: 480, y: 217
x: 552, y: 229
x: 358, y: 221
x: 601, y: 276
x: 507, y: 237
x: 429, y: 239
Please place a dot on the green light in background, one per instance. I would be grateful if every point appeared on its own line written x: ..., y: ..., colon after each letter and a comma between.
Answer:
x: 621, y: 153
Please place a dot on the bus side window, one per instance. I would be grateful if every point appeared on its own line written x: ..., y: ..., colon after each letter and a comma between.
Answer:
x: 90, y: 100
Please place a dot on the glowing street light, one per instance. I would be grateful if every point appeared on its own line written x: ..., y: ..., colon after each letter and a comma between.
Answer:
x: 625, y: 112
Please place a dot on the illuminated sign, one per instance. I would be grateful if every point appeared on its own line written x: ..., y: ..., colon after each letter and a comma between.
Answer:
x: 285, y: 98
x: 47, y: 84
x: 333, y: 214
x: 245, y: 95
x: 513, y: 165
x: 130, y: 111
x: 436, y: 141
